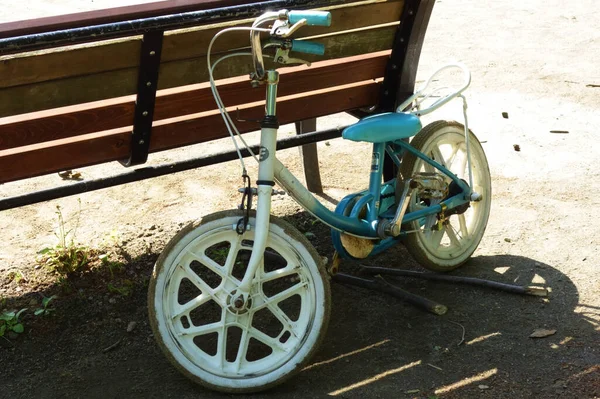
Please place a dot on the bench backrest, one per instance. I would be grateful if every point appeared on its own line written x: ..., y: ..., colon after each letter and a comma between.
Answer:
x: 74, y: 106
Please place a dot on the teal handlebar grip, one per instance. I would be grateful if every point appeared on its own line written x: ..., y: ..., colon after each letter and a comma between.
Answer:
x: 315, y: 18
x: 304, y: 46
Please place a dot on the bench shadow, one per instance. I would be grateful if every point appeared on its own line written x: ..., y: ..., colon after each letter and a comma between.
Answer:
x: 376, y: 345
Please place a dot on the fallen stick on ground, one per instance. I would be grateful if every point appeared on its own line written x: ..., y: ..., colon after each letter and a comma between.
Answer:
x: 381, y: 285
x: 113, y: 346
x: 515, y: 289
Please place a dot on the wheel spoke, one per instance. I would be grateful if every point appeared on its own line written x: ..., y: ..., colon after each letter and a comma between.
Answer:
x: 203, y: 330
x: 427, y: 167
x: 242, y: 349
x: 437, y: 156
x: 208, y: 263
x: 435, y: 237
x: 273, y: 343
x: 280, y: 273
x: 464, y: 232
x: 452, y: 235
x: 200, y: 284
x: 452, y: 156
x: 275, y: 299
x: 232, y: 255
x: 222, y: 340
x: 429, y: 222
x: 192, y: 304
x: 284, y: 319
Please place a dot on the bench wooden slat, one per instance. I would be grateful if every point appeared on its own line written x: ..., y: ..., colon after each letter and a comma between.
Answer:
x: 33, y: 67
x: 53, y: 156
x: 83, y: 119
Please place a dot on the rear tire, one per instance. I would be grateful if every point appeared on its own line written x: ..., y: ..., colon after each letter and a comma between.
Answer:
x: 452, y: 246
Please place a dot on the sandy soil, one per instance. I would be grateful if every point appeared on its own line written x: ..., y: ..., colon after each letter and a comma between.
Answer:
x: 535, y: 60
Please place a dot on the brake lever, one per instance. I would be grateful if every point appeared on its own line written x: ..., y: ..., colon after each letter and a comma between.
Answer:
x: 282, y: 57
x: 282, y: 28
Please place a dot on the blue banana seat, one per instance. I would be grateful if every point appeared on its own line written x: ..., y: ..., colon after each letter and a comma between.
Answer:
x: 382, y: 128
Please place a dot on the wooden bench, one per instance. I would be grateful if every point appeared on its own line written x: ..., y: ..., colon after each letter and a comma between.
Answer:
x: 65, y: 107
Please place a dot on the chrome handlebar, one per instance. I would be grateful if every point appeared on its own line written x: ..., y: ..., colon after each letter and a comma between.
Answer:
x: 285, y: 23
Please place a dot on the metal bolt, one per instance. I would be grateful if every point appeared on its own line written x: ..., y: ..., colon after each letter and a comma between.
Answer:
x: 386, y: 93
x: 148, y: 84
x: 141, y: 142
x: 401, y: 40
x: 410, y: 12
x: 239, y: 302
x: 394, y: 66
x: 145, y: 113
x: 152, y: 52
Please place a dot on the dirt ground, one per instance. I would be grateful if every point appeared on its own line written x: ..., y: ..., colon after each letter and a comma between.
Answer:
x: 535, y: 60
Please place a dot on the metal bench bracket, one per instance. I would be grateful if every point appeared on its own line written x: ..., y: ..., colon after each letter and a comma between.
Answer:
x: 146, y: 97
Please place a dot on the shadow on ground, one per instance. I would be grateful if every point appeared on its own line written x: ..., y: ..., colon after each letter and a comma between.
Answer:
x: 376, y: 346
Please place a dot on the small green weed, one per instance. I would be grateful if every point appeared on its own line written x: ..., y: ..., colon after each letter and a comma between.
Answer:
x: 125, y: 289
x: 66, y: 257
x: 112, y: 266
x: 218, y: 253
x: 17, y: 276
x: 9, y: 321
x: 45, y: 310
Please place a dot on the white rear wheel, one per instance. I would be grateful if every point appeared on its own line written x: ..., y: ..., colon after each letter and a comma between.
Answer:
x: 214, y: 342
x: 452, y: 245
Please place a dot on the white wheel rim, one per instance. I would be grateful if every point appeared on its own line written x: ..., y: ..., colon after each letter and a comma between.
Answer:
x: 230, y: 358
x: 462, y: 231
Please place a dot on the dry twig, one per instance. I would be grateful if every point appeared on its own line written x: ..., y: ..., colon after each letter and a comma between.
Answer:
x: 113, y: 346
x: 463, y: 332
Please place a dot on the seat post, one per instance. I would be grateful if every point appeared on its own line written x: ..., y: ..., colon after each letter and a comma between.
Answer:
x: 377, y: 160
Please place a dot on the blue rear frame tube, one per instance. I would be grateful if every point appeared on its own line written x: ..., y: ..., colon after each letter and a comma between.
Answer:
x: 375, y: 180
x: 368, y: 228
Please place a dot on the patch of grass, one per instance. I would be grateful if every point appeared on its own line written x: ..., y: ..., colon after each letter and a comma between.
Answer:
x: 123, y: 289
x: 67, y: 256
x: 218, y: 253
x: 112, y: 266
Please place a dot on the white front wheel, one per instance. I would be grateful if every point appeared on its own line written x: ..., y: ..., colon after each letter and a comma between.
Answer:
x: 224, y: 343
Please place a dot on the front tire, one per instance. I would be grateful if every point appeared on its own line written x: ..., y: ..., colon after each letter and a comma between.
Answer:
x: 453, y: 245
x: 218, y: 345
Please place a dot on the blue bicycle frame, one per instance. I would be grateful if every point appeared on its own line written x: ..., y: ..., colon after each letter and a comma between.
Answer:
x: 367, y: 228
